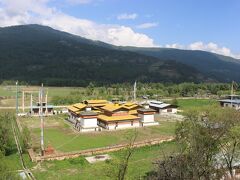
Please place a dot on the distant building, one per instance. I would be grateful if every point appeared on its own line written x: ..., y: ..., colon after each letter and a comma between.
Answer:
x: 231, y: 101
x: 36, y: 110
x: 117, y: 116
x: 162, y: 107
x: 146, y: 115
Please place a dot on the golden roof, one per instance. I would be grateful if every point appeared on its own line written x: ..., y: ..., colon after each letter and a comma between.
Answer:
x: 79, y: 106
x: 97, y: 101
x: 112, y: 107
x: 132, y: 112
x: 73, y: 109
x: 117, y: 118
x: 129, y: 103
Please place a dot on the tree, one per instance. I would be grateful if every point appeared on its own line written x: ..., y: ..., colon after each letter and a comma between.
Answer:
x: 6, y: 137
x: 209, y: 141
x: 123, y: 166
x: 26, y: 137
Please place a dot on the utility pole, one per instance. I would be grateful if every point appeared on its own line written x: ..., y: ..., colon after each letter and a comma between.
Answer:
x: 134, y: 91
x: 232, y: 93
x: 41, y: 117
x: 31, y: 104
x: 16, y: 98
x: 23, y: 100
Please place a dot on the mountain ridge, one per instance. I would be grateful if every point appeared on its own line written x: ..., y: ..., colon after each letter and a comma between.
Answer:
x: 35, y: 53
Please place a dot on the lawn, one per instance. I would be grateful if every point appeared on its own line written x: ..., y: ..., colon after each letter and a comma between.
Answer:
x: 189, y: 103
x: 52, y: 91
x: 140, y: 163
x: 63, y: 138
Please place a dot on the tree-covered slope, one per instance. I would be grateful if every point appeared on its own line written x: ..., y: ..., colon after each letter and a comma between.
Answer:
x: 222, y: 68
x: 36, y: 54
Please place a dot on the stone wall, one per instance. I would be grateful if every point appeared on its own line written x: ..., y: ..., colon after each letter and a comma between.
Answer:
x: 88, y: 152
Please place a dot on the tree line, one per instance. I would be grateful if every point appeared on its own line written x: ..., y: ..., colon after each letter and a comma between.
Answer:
x: 124, y: 91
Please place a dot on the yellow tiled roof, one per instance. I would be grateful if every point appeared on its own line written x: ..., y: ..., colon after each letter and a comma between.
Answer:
x: 130, y: 105
x: 73, y: 109
x: 98, y: 105
x: 79, y: 106
x: 133, y: 112
x: 117, y: 118
x: 112, y: 107
x: 97, y: 101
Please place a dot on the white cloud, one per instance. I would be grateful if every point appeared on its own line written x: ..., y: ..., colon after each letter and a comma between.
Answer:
x: 210, y: 47
x: 127, y: 16
x: 147, y: 25
x: 14, y: 12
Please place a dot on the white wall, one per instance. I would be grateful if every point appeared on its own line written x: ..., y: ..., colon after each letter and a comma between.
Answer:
x: 123, y: 126
x: 147, y: 117
x: 236, y: 106
x: 86, y: 123
x: 174, y: 110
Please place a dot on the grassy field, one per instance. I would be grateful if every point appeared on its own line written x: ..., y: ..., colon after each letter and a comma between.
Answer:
x: 52, y: 91
x: 63, y: 138
x: 140, y: 163
x: 185, y: 104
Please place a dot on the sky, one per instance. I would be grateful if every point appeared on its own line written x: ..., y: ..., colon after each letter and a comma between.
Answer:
x: 209, y: 25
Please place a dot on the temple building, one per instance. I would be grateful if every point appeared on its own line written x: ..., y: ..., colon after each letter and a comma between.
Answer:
x: 146, y: 115
x: 87, y: 120
x: 117, y: 116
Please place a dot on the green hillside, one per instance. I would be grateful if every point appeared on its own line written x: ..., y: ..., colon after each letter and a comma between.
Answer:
x: 35, y: 54
x: 222, y: 68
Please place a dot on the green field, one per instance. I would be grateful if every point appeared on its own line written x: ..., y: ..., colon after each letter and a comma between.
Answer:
x: 140, y: 163
x: 63, y: 138
x: 185, y: 104
x: 52, y: 91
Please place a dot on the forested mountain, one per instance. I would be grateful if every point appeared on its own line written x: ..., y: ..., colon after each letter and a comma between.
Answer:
x: 222, y: 68
x: 35, y: 54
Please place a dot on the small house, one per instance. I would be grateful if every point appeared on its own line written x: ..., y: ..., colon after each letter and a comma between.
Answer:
x: 231, y: 101
x: 162, y: 107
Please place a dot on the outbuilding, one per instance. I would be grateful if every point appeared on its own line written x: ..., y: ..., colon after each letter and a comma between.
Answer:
x: 162, y: 107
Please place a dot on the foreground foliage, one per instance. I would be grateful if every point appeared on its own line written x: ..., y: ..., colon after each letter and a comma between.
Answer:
x: 210, y: 146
